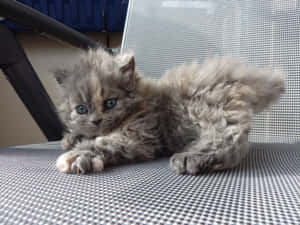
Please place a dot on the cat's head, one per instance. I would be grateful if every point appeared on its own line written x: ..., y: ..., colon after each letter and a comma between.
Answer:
x: 99, y: 93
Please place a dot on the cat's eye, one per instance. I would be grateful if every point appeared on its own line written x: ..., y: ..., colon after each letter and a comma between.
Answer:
x: 81, y: 109
x: 110, y: 103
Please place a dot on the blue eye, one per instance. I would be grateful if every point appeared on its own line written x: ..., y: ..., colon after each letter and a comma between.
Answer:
x: 110, y: 103
x: 81, y: 109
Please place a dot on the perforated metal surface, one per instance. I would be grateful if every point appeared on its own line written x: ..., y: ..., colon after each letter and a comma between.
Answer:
x: 263, y: 190
x: 165, y: 33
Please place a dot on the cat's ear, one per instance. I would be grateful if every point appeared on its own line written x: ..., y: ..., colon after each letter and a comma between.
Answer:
x: 60, y: 75
x: 127, y: 69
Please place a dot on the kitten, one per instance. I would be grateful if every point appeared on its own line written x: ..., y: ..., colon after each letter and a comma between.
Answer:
x: 198, y: 114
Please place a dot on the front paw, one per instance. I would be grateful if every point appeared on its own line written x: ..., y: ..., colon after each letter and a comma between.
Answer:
x: 79, y: 162
x: 69, y: 141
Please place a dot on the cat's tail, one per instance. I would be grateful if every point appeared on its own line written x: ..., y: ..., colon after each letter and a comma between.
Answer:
x: 225, y: 80
x: 258, y: 87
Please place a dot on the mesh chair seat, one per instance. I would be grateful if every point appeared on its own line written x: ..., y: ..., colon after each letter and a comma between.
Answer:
x: 264, y: 189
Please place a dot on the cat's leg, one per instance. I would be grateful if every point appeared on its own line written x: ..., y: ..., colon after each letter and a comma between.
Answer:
x: 94, y: 155
x: 213, y: 152
x: 69, y: 141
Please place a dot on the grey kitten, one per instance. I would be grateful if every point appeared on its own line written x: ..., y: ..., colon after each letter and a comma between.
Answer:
x: 198, y: 114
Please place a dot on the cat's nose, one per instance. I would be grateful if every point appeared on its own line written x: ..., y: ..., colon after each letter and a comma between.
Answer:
x: 96, y: 122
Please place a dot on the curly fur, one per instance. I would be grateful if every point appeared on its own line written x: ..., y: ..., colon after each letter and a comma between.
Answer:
x: 199, y: 115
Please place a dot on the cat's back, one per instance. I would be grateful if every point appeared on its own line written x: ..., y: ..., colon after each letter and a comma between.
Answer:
x: 189, y: 79
x: 223, y: 88
x: 220, y: 80
x: 179, y: 81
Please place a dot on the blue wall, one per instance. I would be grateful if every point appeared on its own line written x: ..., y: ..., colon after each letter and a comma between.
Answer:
x: 83, y: 15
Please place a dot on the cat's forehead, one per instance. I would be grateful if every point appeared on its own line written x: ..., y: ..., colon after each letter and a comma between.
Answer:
x: 97, y: 75
x: 95, y: 84
x: 102, y: 87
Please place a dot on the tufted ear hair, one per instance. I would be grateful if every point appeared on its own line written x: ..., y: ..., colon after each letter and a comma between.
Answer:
x: 61, y: 75
x: 127, y: 68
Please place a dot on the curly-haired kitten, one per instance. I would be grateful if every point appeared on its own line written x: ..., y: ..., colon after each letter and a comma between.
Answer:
x: 198, y: 114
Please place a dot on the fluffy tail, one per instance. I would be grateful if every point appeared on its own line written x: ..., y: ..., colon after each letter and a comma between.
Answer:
x: 259, y: 87
x: 221, y: 80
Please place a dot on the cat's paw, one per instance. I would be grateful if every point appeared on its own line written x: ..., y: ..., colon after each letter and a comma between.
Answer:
x: 192, y: 163
x: 69, y: 141
x: 79, y: 162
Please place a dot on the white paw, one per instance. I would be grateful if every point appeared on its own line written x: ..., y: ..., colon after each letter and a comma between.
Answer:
x: 79, y: 162
x: 64, y: 162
